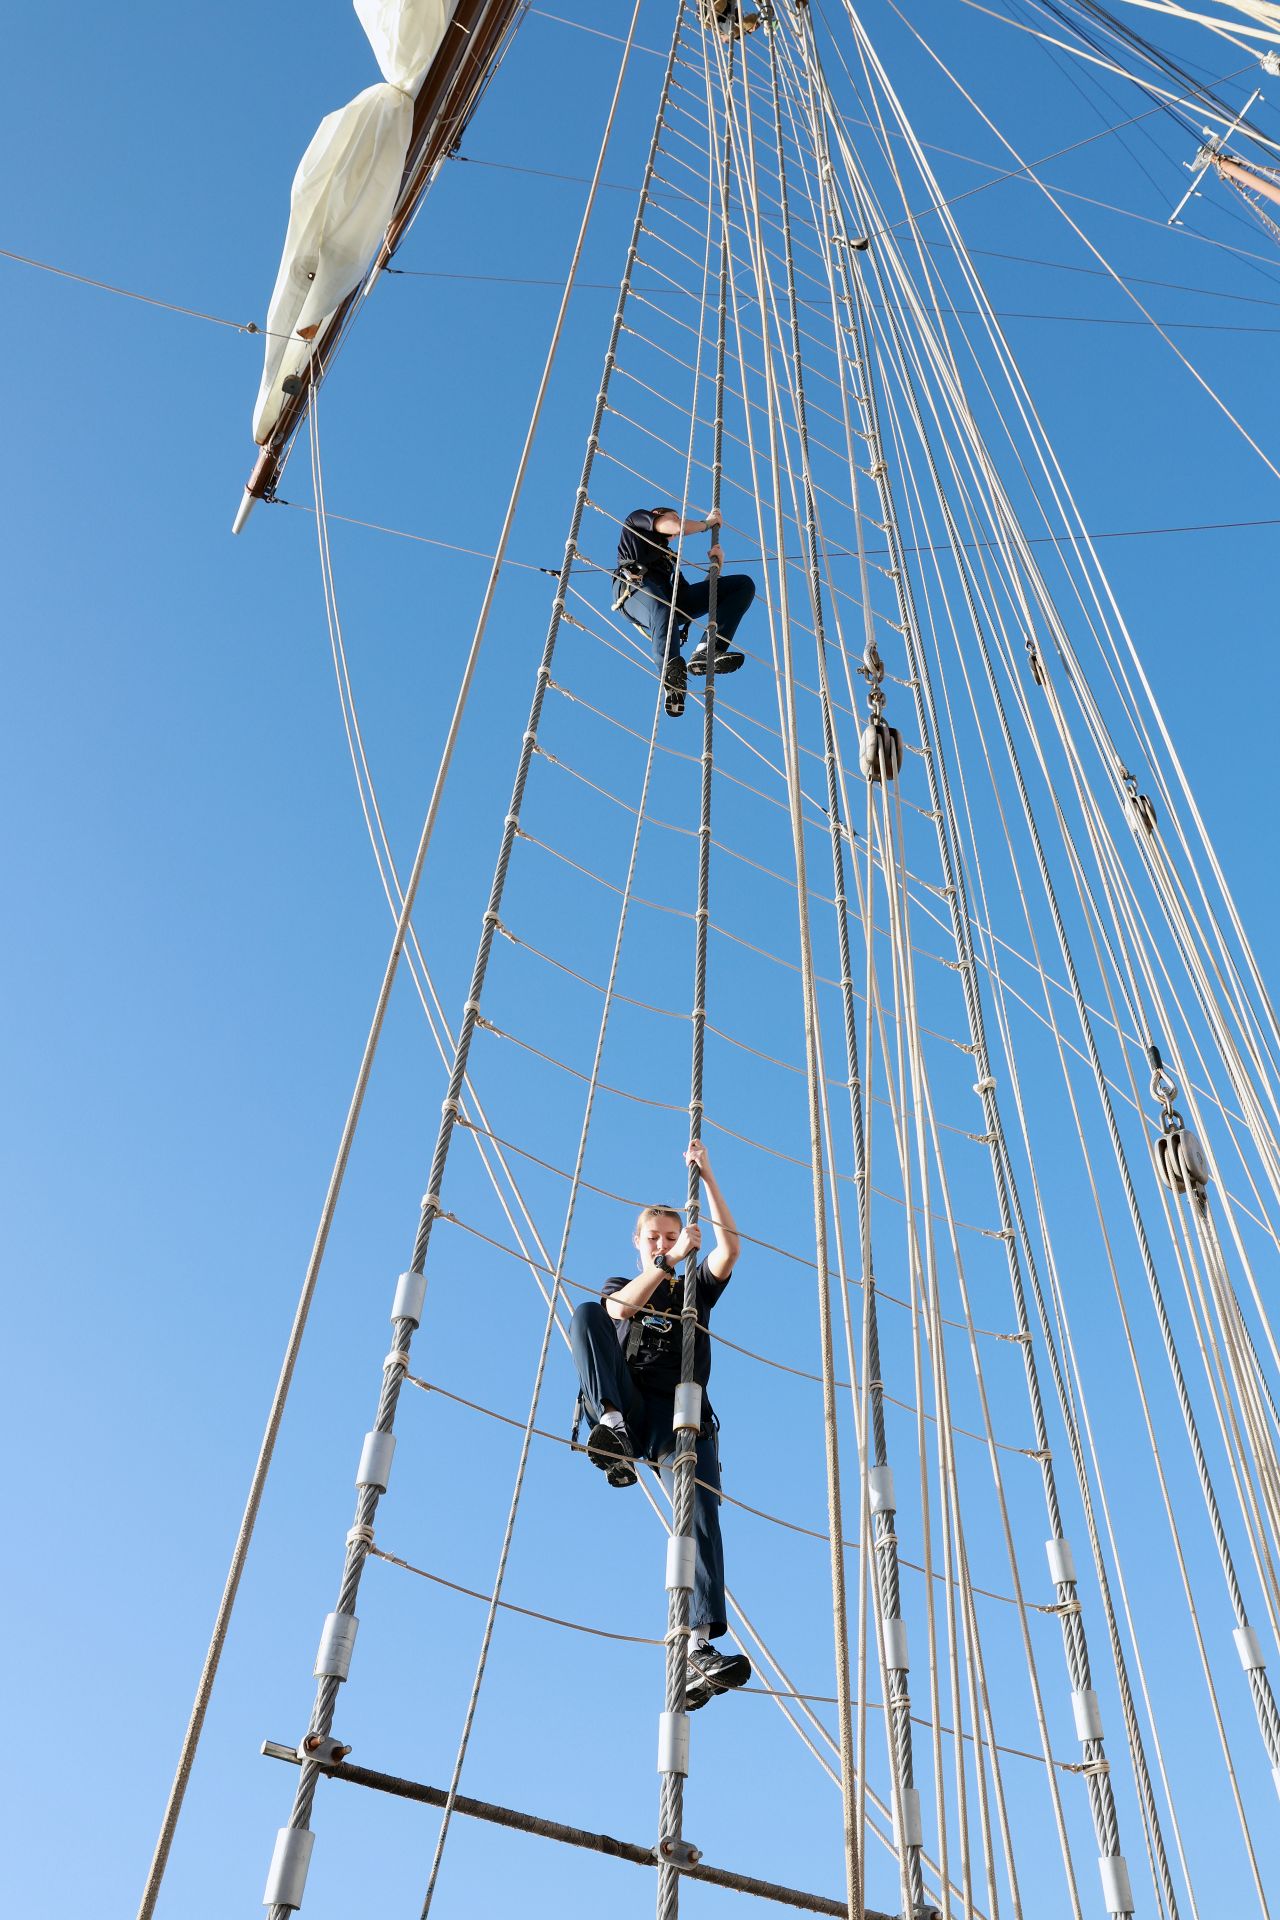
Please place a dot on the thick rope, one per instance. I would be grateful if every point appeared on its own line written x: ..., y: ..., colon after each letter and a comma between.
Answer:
x: 671, y: 1795
x: 849, y: 1771
x: 1072, y: 1633
x: 896, y: 1678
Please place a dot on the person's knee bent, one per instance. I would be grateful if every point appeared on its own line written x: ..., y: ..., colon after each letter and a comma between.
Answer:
x: 589, y: 1318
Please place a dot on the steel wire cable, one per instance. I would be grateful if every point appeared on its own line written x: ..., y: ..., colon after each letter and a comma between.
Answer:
x: 1066, y: 1398
x: 1265, y: 1718
x: 1024, y: 405
x: 893, y: 1680
x: 1077, y: 1662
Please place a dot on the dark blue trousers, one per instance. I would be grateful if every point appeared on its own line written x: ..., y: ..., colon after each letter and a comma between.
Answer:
x: 607, y: 1379
x: 651, y: 612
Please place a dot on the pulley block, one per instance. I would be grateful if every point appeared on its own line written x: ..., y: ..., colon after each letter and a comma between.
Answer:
x: 1180, y: 1161
x: 880, y: 751
x: 1143, y: 811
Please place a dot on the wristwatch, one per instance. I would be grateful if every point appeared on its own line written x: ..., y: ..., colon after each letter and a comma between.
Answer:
x: 661, y: 1261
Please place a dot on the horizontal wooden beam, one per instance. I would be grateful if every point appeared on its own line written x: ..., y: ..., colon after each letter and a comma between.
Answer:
x: 570, y: 1836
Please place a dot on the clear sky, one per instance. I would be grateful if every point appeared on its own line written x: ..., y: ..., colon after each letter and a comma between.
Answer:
x: 195, y: 930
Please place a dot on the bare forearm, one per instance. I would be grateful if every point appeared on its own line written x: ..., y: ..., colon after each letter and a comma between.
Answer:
x: 637, y: 1293
x: 668, y: 524
x: 722, y: 1221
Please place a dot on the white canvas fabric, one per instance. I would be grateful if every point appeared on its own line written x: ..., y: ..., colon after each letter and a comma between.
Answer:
x: 405, y: 36
x: 344, y: 193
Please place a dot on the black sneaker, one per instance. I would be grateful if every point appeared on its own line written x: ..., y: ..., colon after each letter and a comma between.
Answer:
x: 728, y: 659
x: 675, y: 678
x: 709, y: 1672
x: 610, y: 1449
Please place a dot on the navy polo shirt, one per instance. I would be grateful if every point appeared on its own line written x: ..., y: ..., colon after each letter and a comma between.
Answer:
x: 639, y: 546
x: 655, y: 1366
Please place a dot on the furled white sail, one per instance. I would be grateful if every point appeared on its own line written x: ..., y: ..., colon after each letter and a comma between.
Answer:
x: 343, y: 196
x: 405, y: 36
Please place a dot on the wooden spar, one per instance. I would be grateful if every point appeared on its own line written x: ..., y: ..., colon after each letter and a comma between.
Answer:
x: 445, y: 103
x: 570, y: 1836
x: 1256, y: 182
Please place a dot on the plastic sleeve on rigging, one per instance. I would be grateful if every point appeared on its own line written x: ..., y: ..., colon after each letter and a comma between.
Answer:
x: 1249, y: 1647
x: 881, y: 1490
x: 673, y: 1743
x: 895, y: 1644
x: 687, y: 1414
x: 911, y: 1833
x: 1086, y: 1713
x: 375, y: 1461
x: 1062, y: 1562
x: 287, y: 1874
x: 1117, y: 1895
x: 337, y: 1644
x: 411, y: 1290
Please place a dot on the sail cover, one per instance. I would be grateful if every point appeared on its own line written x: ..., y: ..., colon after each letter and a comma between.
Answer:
x: 345, y: 190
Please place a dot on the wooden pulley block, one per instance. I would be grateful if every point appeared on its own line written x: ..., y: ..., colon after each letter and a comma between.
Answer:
x: 1180, y: 1161
x: 880, y: 751
x: 1143, y: 811
x: 1036, y: 665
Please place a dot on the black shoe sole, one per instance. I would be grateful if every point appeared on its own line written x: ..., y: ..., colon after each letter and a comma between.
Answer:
x: 608, y: 1450
x: 725, y: 663
x: 675, y: 678
x: 700, y: 1687
x: 696, y: 1694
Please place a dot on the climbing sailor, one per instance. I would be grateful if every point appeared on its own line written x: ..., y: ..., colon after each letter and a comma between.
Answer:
x: 727, y: 17
x: 661, y: 602
x: 626, y: 1347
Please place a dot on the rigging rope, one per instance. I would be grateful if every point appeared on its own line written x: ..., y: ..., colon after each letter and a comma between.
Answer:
x: 294, y: 1844
x: 673, y: 1739
x: 794, y: 456
x: 1074, y: 1645
x: 850, y: 1774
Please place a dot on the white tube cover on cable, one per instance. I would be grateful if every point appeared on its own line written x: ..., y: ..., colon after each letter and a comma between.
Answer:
x: 405, y: 36
x: 343, y: 196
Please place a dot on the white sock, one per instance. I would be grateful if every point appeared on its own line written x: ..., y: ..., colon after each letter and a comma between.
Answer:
x: 697, y: 1639
x: 612, y: 1419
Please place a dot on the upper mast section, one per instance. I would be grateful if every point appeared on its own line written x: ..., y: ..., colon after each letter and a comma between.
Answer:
x: 355, y: 194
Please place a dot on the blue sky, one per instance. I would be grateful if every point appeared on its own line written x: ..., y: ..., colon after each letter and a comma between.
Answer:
x: 196, y: 932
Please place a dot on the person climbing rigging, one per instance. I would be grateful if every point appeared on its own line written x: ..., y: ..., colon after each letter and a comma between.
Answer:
x: 661, y: 602
x: 626, y: 1347
x: 727, y: 17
